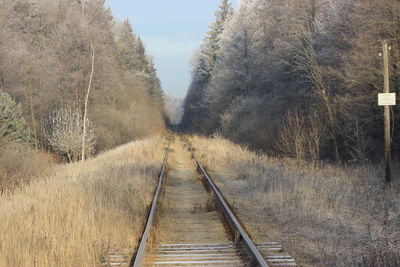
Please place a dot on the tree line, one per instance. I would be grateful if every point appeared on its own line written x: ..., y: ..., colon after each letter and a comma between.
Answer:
x: 298, y: 78
x: 67, y: 65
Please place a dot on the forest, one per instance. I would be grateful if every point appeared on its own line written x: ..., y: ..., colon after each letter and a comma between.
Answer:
x: 55, y: 54
x: 282, y: 110
x: 297, y: 78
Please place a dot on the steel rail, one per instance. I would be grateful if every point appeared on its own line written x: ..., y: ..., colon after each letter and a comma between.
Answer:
x: 154, y: 204
x: 252, y: 249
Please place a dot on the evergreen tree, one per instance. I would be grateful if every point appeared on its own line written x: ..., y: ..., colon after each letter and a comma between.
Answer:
x: 131, y: 50
x: 142, y: 61
x: 13, y: 127
x: 211, y: 46
x: 127, y: 46
x: 195, y: 102
x: 155, y: 84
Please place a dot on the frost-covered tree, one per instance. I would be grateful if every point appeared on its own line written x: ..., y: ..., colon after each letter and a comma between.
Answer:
x: 141, y: 57
x: 131, y: 52
x: 64, y: 132
x: 211, y: 45
x: 208, y: 54
x: 318, y: 58
x: 46, y: 56
x: 155, y: 91
x: 133, y: 58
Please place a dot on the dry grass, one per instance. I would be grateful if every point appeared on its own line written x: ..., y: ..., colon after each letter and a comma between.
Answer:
x: 327, y: 216
x: 19, y: 164
x: 72, y: 217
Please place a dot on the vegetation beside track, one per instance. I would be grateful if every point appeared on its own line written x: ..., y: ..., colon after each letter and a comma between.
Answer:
x: 75, y: 215
x: 325, y: 215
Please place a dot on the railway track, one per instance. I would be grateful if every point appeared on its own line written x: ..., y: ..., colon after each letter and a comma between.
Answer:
x: 191, y: 224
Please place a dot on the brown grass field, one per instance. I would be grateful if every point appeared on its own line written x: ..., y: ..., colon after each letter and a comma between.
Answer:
x: 19, y: 164
x: 74, y: 216
x: 325, y: 216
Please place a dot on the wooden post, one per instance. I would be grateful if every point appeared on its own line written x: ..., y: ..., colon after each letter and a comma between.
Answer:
x: 387, y: 113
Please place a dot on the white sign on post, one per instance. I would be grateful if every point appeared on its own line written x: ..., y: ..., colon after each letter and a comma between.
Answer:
x: 387, y: 99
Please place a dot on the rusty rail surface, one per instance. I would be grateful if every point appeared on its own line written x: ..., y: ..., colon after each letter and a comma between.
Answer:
x: 257, y: 258
x: 153, y: 210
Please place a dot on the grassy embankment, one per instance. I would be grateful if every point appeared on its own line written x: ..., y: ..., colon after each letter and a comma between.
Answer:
x: 74, y: 215
x: 334, y: 216
x: 20, y: 164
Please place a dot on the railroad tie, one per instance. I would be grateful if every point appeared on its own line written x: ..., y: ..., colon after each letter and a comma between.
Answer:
x: 191, y: 232
x: 198, y: 254
x: 115, y: 258
x: 275, y: 255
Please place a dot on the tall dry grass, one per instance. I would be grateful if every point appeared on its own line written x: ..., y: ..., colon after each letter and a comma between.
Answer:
x: 74, y: 216
x: 326, y: 216
x: 17, y: 166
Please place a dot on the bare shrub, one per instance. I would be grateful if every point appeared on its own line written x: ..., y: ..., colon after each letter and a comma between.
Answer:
x: 292, y: 140
x: 302, y: 136
x: 316, y: 137
x: 64, y: 132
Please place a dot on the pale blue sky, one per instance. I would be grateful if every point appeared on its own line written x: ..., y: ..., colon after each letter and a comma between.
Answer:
x: 172, y: 31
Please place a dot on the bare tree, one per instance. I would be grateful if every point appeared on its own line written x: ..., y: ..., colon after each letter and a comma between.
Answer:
x: 305, y: 61
x: 86, y: 101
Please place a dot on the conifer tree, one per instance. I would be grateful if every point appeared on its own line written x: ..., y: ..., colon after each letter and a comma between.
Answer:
x: 13, y: 126
x: 195, y: 102
x: 155, y: 84
x: 131, y: 50
x: 142, y: 61
x: 127, y: 46
x: 211, y: 46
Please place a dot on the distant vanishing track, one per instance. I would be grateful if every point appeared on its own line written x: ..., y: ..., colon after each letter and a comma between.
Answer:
x: 191, y: 226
